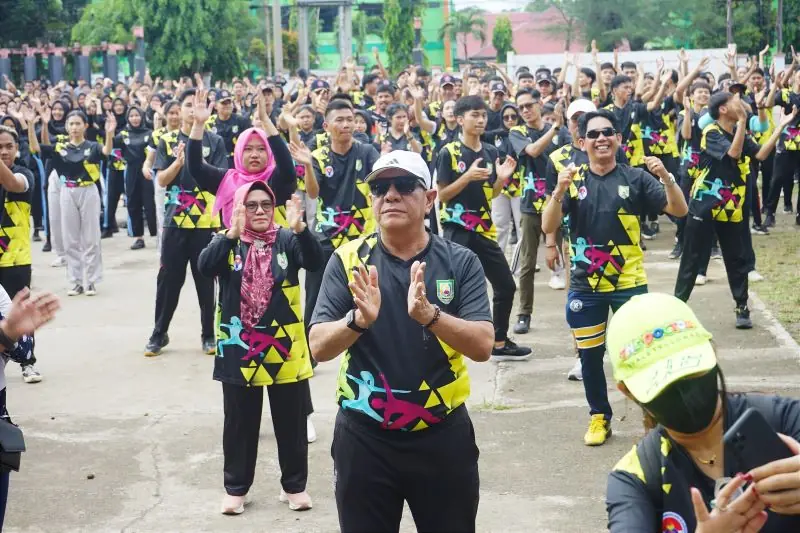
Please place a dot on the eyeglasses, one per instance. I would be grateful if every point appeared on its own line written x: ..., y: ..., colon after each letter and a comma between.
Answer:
x: 252, y: 207
x: 605, y: 132
x: 527, y: 106
x: 404, y: 185
x: 510, y: 117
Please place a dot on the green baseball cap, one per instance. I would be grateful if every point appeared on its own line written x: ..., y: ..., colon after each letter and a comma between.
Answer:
x: 653, y: 341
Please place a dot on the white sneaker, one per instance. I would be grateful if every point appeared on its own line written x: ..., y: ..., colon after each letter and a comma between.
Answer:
x: 297, y: 502
x: 312, y: 433
x: 557, y: 282
x: 58, y: 262
x: 30, y: 374
x: 754, y: 277
x: 576, y: 372
x: 701, y: 280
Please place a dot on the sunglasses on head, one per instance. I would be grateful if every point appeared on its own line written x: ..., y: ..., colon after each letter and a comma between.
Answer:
x: 605, y: 132
x: 510, y: 117
x: 252, y: 207
x: 404, y: 185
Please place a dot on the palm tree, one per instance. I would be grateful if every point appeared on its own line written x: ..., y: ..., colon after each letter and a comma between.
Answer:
x: 462, y: 24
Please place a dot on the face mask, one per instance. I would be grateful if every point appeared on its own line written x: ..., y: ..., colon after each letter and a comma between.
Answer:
x: 688, y: 405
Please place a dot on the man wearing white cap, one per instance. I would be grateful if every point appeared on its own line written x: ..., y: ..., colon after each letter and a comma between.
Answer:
x: 405, y: 306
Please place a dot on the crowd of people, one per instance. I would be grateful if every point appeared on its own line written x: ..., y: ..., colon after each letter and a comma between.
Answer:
x: 394, y: 199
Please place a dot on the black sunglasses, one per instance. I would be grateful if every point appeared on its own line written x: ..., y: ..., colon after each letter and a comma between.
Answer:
x: 605, y: 132
x: 529, y: 105
x: 404, y: 185
x: 510, y: 117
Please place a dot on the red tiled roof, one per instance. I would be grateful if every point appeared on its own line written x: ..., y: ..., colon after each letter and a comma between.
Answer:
x: 530, y: 35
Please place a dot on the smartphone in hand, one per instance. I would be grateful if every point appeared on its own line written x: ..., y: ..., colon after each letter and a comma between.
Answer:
x: 753, y: 442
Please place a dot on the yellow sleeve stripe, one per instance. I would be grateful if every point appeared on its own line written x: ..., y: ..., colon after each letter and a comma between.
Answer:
x: 589, y: 331
x: 593, y: 342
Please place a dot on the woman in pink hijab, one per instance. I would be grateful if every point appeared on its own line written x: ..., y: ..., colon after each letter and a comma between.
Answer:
x: 259, y: 155
x: 260, y: 340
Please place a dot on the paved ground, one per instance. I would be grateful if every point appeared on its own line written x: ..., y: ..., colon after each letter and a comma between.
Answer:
x: 149, y: 430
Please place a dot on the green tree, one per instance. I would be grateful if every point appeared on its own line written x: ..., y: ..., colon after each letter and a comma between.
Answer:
x: 29, y: 21
x: 398, y: 33
x: 182, y: 36
x: 502, y: 37
x: 363, y: 26
x: 257, y: 52
x: 463, y: 24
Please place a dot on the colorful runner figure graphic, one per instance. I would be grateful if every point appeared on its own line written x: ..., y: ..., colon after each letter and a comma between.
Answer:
x: 187, y: 200
x: 600, y: 259
x: 344, y: 219
x: 173, y: 195
x: 709, y: 188
x: 260, y: 342
x: 234, y: 335
x: 408, y: 411
x: 366, y: 386
x: 579, y: 248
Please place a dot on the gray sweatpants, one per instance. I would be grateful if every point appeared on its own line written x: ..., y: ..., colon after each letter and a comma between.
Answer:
x: 505, y: 212
x: 54, y: 204
x: 80, y: 227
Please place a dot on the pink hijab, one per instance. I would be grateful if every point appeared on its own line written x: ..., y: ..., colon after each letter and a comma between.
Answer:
x: 238, y: 176
x: 257, y: 278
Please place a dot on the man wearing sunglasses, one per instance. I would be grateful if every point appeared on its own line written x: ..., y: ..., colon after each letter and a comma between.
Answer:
x: 470, y: 176
x: 604, y: 200
x: 531, y: 143
x: 406, y: 307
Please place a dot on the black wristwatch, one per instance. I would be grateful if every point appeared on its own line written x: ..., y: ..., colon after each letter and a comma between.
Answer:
x: 351, y: 322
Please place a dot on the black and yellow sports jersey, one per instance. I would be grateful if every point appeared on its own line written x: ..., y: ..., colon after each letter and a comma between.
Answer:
x: 397, y: 143
x: 362, y: 99
x: 155, y: 138
x: 629, y: 120
x: 530, y: 172
x: 344, y: 205
x: 513, y: 188
x: 720, y: 181
x: 186, y: 205
x: 658, y: 130
x: 433, y: 109
x: 15, y: 223
x: 275, y: 351
x: 229, y: 130
x: 761, y: 137
x: 443, y: 136
x: 426, y: 140
x: 604, y: 226
x: 790, y: 137
x: 76, y: 166
x: 690, y: 148
x: 649, y: 489
x: 397, y: 374
x: 132, y: 145
x: 470, y: 209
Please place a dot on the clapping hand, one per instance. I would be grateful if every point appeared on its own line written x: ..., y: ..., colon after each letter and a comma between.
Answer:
x: 366, y: 295
x: 476, y: 173
x: 111, y: 122
x: 506, y: 170
x: 787, y: 119
x: 419, y: 307
x: 300, y: 153
x: 29, y: 312
x: 294, y: 214
x: 237, y: 222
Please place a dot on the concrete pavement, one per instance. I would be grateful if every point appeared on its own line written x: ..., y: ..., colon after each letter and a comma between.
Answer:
x: 148, y: 431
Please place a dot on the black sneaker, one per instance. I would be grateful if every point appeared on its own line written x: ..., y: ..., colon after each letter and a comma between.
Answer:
x: 797, y: 220
x: 47, y: 247
x: 36, y: 237
x: 209, y: 347
x: 106, y: 234
x: 769, y: 221
x: 655, y: 227
x: 511, y: 352
x: 743, y: 318
x: 716, y: 253
x: 138, y: 244
x: 77, y: 290
x: 155, y: 345
x: 677, y: 251
x: 760, y: 229
x: 523, y: 324
x: 648, y: 233
x: 787, y: 209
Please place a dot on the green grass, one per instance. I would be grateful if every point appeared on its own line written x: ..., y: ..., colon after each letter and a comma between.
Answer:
x: 778, y: 260
x: 490, y: 406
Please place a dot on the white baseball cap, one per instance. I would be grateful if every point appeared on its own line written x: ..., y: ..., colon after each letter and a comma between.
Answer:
x: 581, y: 105
x: 401, y: 163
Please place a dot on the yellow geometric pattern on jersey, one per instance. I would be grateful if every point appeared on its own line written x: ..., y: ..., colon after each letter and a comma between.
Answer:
x: 360, y: 219
x: 790, y: 135
x: 211, y: 126
x: 480, y: 220
x: 117, y: 162
x: 272, y: 369
x: 15, y: 234
x: 668, y: 143
x: 761, y: 137
x: 195, y: 217
x: 451, y: 394
x: 625, y: 253
x: 730, y: 208
x: 92, y: 169
x: 634, y: 148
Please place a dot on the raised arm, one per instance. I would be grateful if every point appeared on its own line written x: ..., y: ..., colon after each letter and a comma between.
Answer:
x: 422, y: 119
x: 208, y: 177
x: 766, y: 149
